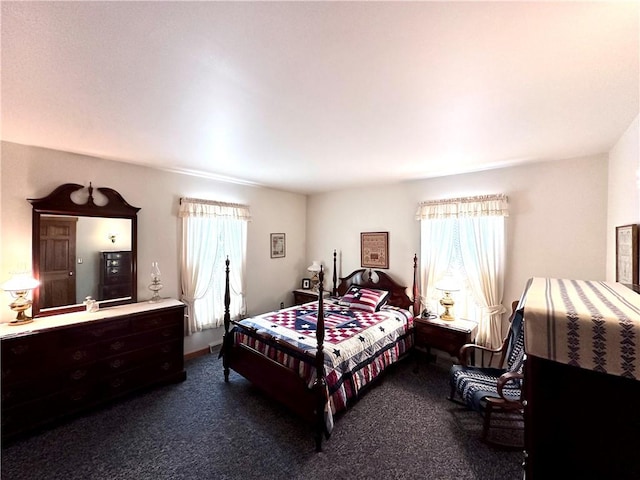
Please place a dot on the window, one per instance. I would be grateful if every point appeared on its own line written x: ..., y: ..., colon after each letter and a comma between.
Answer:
x: 465, y: 238
x: 211, y: 233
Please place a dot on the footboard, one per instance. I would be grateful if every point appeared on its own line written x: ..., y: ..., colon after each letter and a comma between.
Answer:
x: 281, y: 383
x: 276, y: 380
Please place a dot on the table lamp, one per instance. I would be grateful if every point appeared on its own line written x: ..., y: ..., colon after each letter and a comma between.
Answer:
x: 314, y: 268
x: 19, y: 287
x: 447, y: 284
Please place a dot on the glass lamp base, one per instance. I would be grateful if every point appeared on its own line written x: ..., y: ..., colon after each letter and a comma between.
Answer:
x: 155, y: 287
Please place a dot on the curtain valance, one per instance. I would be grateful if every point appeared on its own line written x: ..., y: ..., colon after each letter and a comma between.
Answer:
x: 194, y: 207
x: 480, y: 206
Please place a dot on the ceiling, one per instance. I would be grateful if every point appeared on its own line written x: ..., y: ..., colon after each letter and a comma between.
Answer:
x: 317, y: 96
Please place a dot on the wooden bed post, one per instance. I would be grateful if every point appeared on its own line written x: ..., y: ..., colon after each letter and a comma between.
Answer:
x: 334, y: 292
x: 416, y: 290
x: 226, y: 341
x: 320, y: 384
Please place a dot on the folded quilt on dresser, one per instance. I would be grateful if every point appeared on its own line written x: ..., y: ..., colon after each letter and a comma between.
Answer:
x: 587, y: 324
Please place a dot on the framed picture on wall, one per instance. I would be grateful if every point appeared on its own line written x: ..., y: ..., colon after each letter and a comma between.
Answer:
x: 278, y: 247
x: 374, y: 249
x: 627, y: 254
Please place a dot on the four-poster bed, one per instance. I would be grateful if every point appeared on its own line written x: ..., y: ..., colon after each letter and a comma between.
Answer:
x: 317, y: 358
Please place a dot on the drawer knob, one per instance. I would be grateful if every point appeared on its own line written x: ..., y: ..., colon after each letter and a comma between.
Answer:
x: 20, y: 349
x: 79, y: 355
x: 117, y: 383
x: 117, y: 363
x: 78, y: 374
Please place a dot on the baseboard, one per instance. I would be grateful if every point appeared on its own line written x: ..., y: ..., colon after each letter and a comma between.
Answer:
x: 198, y: 353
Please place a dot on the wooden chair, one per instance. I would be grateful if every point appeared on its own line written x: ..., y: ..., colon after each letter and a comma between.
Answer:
x: 493, y: 385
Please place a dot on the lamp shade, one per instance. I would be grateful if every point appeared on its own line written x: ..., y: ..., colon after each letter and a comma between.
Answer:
x: 448, y: 283
x: 20, y: 282
x: 314, y: 267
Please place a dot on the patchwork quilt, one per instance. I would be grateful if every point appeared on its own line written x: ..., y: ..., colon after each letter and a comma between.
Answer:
x: 358, y: 345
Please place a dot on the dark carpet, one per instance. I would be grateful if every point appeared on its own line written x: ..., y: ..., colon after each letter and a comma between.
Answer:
x: 205, y: 429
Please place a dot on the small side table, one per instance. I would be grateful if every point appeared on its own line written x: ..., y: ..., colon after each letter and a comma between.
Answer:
x: 301, y: 296
x: 448, y: 336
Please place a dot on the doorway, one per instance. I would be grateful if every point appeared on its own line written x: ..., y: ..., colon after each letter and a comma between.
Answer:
x: 57, y: 261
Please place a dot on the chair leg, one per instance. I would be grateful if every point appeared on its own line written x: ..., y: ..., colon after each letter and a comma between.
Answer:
x: 452, y: 393
x: 497, y: 416
x: 487, y: 421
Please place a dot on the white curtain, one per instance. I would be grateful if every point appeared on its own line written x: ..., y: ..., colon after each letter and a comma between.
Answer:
x: 436, y: 247
x: 481, y: 237
x: 482, y: 247
x: 211, y: 233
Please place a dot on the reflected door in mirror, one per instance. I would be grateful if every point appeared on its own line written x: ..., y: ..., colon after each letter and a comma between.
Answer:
x: 57, y: 263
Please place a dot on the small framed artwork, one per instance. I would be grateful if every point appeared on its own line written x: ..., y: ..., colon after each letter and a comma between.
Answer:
x: 374, y: 249
x: 306, y: 283
x: 278, y: 247
x: 627, y: 254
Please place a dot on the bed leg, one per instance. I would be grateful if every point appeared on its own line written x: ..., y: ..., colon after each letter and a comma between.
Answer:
x: 320, y: 384
x: 226, y: 340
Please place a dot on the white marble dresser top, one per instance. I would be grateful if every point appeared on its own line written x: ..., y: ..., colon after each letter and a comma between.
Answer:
x: 53, y: 321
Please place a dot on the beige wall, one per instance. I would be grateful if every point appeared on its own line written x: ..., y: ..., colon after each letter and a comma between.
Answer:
x: 556, y: 227
x: 559, y: 223
x: 30, y: 172
x: 624, y: 189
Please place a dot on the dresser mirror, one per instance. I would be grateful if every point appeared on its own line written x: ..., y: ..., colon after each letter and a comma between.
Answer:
x: 84, y: 243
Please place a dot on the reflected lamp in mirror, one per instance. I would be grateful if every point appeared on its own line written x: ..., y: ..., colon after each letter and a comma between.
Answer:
x: 112, y: 237
x: 314, y: 268
x: 19, y: 287
x: 156, y: 284
x: 447, y: 284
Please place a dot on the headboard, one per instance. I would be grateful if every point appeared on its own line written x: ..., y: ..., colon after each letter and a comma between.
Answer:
x: 379, y: 280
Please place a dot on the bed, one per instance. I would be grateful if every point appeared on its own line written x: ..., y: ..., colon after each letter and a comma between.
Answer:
x: 318, y: 358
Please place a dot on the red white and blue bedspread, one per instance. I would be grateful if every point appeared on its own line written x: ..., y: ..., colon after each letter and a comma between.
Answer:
x: 358, y: 345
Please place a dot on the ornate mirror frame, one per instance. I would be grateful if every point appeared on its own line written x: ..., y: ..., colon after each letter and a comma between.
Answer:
x: 60, y: 202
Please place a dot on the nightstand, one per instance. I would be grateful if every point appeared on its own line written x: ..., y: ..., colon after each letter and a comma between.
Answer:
x: 448, y: 336
x: 301, y: 296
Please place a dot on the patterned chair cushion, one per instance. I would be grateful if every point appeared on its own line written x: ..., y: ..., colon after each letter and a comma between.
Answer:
x: 473, y: 384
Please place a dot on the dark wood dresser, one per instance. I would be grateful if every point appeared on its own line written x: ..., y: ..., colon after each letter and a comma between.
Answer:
x: 115, y: 275
x: 62, y: 365
x: 582, y: 380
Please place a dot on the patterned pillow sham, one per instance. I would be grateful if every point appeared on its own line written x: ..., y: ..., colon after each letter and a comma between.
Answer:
x: 367, y: 299
x: 345, y: 300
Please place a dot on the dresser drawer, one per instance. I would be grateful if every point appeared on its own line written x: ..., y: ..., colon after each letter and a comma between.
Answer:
x: 446, y: 336
x: 149, y: 322
x: 116, y: 346
x: 135, y: 358
x: 119, y: 290
x: 24, y: 391
x: 25, y: 357
x: 156, y: 368
x: 114, y: 276
x: 95, y: 332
